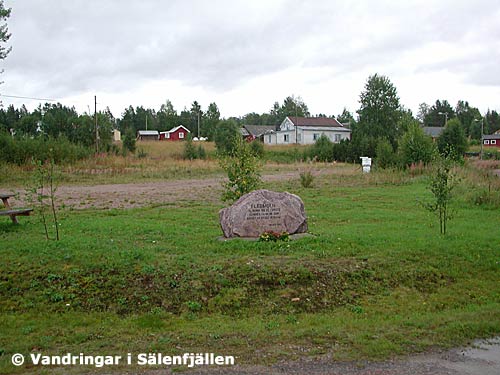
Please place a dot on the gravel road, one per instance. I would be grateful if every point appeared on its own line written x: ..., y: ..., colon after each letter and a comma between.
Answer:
x: 482, y: 358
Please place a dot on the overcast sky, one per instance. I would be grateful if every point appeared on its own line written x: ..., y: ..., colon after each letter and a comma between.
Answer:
x: 246, y: 55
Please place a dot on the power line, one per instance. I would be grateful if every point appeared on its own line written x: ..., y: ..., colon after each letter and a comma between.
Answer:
x: 28, y: 97
x: 44, y: 99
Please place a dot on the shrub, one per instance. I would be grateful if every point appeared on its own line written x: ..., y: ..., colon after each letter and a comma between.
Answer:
x: 190, y: 151
x: 385, y: 156
x: 225, y: 135
x: 242, y: 168
x: 23, y: 150
x: 257, y: 148
x: 306, y: 179
x: 128, y: 141
x: 362, y: 145
x: 322, y: 150
x: 415, y: 147
x: 342, y: 151
x: 452, y: 143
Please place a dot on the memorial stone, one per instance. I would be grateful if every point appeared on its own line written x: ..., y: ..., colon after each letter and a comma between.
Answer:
x: 261, y: 211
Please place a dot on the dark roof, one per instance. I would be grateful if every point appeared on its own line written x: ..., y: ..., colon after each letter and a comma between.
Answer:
x: 491, y: 136
x: 315, y: 121
x: 258, y: 130
x: 433, y: 131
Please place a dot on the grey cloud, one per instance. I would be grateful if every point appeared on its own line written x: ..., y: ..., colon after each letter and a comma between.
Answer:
x: 114, y: 45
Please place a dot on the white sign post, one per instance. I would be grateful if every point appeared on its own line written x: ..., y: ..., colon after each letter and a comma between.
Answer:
x: 366, y: 163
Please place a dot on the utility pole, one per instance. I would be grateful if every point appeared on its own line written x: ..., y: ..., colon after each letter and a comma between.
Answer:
x: 96, y: 127
x: 482, y: 140
x: 198, y: 125
x: 296, y: 124
x: 482, y: 135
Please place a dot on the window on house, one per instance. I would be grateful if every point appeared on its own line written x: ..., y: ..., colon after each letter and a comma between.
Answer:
x: 181, y: 135
x: 299, y: 137
x: 269, y: 138
x: 316, y: 136
x: 337, y: 138
x: 486, y: 142
x: 286, y: 138
x: 493, y: 142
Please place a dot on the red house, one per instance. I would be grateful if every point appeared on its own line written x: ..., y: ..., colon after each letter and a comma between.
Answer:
x: 492, y: 140
x: 179, y: 133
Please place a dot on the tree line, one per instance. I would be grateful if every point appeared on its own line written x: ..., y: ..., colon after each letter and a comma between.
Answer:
x: 380, y: 116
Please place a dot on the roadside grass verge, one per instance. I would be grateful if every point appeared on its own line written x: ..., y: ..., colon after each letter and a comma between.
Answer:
x: 376, y: 280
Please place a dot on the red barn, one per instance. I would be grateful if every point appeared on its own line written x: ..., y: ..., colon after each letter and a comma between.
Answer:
x: 179, y: 133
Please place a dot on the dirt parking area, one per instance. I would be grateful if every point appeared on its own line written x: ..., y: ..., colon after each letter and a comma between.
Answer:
x: 149, y: 193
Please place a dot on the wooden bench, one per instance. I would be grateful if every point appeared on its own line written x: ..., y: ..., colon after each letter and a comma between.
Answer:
x: 12, y: 212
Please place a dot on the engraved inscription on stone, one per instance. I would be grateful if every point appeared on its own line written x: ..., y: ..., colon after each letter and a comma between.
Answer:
x: 261, y: 211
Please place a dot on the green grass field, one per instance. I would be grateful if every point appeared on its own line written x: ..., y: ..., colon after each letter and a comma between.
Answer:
x: 376, y: 280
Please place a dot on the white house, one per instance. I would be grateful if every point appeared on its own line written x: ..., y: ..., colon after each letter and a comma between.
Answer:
x: 306, y: 130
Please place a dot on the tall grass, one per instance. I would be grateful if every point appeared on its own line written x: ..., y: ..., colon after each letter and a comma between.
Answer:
x: 21, y: 151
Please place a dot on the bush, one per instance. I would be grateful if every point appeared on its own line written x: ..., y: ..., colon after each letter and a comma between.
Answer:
x: 23, y: 150
x: 242, y: 170
x: 452, y: 143
x: 362, y: 145
x: 306, y: 179
x: 385, y: 156
x: 257, y: 148
x: 128, y: 141
x: 192, y: 152
x: 225, y: 135
x: 322, y: 150
x: 415, y: 147
x: 342, y: 151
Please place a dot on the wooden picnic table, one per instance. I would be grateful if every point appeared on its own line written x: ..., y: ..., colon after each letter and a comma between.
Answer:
x: 12, y: 212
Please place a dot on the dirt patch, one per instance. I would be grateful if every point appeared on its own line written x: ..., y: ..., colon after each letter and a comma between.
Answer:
x: 150, y: 193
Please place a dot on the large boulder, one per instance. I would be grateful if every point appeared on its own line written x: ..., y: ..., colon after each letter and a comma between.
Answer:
x: 261, y: 211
